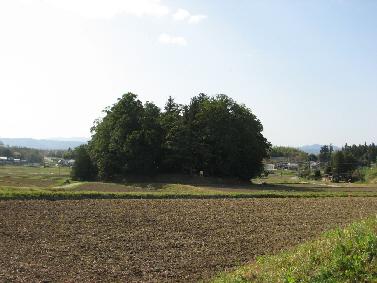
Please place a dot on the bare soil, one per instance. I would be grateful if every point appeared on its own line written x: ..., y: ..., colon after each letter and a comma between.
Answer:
x: 157, y: 240
x: 118, y: 188
x: 10, y: 181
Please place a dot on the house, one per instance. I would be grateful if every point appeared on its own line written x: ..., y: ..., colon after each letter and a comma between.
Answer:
x: 269, y: 167
x: 314, y: 165
x: 292, y: 166
x: 3, y: 159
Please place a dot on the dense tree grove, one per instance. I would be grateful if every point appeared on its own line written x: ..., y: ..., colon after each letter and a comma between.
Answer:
x: 347, y: 161
x: 343, y: 163
x: 349, y: 157
x: 290, y: 153
x: 210, y: 134
x: 364, y: 154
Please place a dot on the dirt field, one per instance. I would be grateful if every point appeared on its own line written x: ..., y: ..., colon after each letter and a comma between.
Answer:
x: 145, y: 187
x: 156, y: 240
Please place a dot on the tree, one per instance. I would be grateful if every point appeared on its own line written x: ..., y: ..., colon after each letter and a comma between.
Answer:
x: 324, y: 154
x: 173, y: 142
x: 290, y: 153
x: 225, y: 138
x: 83, y: 168
x: 128, y: 139
x: 313, y: 157
x: 343, y: 163
x: 69, y: 154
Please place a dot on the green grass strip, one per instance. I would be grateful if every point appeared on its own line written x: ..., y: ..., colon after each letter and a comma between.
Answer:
x: 341, y: 255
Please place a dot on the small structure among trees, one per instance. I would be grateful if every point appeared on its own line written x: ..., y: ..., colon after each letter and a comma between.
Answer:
x: 215, y: 135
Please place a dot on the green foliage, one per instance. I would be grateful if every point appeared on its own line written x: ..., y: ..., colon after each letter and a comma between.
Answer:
x: 128, y: 139
x: 224, y: 137
x: 290, y: 153
x: 317, y: 175
x: 325, y: 153
x: 342, y: 255
x: 313, y: 157
x: 211, y: 134
x: 84, y: 168
x: 368, y: 174
x: 304, y: 173
x: 364, y: 154
x: 328, y: 170
x: 343, y: 163
x: 29, y: 154
x: 69, y: 154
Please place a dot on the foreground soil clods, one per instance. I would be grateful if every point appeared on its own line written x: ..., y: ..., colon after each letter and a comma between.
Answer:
x: 157, y: 240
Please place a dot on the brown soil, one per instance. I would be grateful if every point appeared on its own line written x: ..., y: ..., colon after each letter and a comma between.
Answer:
x: 118, y: 188
x: 26, y: 182
x: 156, y: 240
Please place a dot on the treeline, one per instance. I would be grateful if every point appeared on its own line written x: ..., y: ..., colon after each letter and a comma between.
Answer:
x: 28, y: 154
x: 290, y: 153
x: 364, y: 154
x: 358, y: 155
x: 348, y: 160
x: 210, y: 134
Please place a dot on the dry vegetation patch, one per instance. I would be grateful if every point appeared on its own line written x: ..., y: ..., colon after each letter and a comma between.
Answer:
x: 157, y: 240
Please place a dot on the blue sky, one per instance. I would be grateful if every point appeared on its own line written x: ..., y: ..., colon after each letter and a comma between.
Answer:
x: 306, y: 68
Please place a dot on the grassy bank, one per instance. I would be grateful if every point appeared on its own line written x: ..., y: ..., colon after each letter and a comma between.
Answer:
x: 369, y: 175
x: 342, y: 255
x: 17, y: 182
x: 168, y: 191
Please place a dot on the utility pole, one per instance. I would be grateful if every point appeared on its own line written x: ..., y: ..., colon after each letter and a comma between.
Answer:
x: 310, y: 169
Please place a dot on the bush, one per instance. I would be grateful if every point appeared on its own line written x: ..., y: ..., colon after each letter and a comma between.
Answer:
x: 304, y: 173
x: 328, y: 170
x: 358, y: 175
x: 317, y: 175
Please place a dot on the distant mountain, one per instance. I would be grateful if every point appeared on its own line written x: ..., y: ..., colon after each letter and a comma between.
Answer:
x: 314, y: 148
x: 51, y: 144
x: 74, y: 139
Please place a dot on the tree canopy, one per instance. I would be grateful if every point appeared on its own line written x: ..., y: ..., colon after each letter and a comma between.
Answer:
x: 290, y: 153
x: 211, y: 134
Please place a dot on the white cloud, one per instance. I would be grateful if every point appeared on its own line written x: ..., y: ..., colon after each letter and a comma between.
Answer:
x: 182, y: 15
x: 105, y: 9
x: 173, y: 40
x: 197, y: 19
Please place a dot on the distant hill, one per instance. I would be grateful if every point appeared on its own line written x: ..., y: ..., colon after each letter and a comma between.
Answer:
x: 314, y: 148
x: 51, y: 144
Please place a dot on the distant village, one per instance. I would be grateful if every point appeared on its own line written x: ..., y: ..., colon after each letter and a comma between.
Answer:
x: 47, y: 162
x: 23, y: 156
x: 283, y: 163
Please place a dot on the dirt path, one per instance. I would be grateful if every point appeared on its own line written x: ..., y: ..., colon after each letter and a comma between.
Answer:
x: 156, y: 240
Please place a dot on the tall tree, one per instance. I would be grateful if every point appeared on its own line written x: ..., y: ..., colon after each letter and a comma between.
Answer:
x: 128, y: 139
x: 325, y: 153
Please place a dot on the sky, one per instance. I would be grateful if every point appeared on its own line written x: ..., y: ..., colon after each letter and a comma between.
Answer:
x: 306, y: 68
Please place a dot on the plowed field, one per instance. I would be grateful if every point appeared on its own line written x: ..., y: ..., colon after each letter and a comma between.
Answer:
x: 156, y: 240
